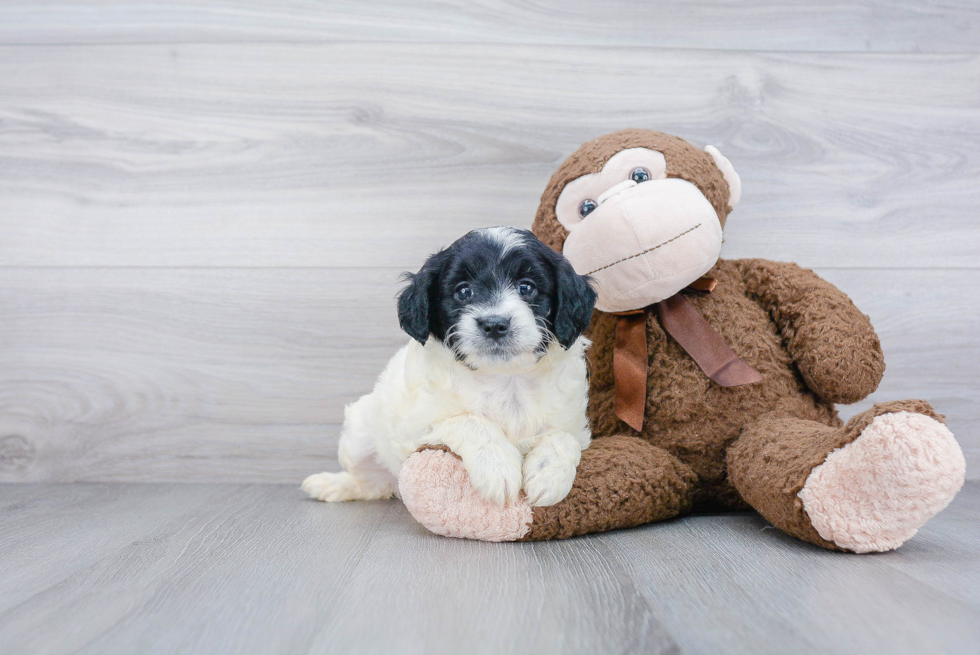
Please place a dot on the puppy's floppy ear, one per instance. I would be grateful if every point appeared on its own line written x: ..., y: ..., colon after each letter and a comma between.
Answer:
x: 575, y: 301
x: 415, y: 301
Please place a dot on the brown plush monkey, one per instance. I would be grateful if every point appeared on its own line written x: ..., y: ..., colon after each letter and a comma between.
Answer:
x: 713, y: 382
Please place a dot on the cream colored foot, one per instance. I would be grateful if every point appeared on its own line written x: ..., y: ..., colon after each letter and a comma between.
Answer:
x: 874, y: 494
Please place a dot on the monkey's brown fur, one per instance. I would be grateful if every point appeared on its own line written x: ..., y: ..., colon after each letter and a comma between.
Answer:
x: 704, y: 446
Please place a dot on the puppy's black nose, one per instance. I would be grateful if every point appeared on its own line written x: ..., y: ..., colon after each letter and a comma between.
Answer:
x: 494, y: 327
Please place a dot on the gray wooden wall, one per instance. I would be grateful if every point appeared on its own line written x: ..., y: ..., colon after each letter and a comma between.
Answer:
x: 204, y: 206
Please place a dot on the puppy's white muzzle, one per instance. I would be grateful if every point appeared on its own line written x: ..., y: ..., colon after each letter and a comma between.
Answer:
x: 481, y: 347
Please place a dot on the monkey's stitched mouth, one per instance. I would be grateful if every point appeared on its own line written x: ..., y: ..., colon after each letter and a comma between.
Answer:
x: 643, y: 252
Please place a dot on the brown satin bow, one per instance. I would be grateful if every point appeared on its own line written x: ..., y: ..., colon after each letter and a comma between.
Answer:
x: 681, y: 320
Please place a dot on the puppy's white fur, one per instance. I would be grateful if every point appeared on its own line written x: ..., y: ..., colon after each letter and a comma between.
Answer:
x: 524, y: 332
x: 517, y: 423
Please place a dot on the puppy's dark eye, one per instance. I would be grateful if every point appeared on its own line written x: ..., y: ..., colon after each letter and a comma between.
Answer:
x: 526, y: 289
x: 587, y: 207
x: 639, y: 174
x: 463, y: 293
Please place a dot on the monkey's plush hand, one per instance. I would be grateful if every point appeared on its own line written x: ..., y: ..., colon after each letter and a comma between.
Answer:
x: 832, y: 343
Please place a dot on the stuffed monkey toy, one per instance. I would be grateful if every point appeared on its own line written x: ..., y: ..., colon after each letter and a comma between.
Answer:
x: 713, y: 382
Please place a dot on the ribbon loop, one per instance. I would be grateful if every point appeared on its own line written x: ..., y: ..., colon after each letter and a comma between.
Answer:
x: 682, y: 321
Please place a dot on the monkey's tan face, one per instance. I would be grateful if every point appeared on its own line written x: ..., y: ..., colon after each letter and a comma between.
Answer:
x: 641, y: 235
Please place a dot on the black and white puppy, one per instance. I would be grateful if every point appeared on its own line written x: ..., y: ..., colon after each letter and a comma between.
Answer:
x: 496, y: 371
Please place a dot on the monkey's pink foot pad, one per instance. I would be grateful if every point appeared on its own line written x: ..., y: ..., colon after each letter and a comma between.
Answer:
x: 873, y: 494
x: 436, y: 489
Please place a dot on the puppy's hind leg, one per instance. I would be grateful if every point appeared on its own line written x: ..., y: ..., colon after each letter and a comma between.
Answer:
x: 365, y: 478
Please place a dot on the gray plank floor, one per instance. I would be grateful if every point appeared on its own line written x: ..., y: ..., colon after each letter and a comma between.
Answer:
x: 166, y: 568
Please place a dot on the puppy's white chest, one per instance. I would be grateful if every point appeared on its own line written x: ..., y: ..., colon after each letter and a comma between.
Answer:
x: 510, y: 402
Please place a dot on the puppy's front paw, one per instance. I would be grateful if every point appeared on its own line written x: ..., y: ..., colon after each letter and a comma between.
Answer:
x: 495, y: 472
x: 331, y: 487
x: 548, y: 476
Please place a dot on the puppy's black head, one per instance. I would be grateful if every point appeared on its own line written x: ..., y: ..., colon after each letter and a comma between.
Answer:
x: 496, y: 294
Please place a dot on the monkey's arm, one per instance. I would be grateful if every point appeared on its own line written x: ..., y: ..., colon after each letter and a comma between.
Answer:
x: 832, y: 343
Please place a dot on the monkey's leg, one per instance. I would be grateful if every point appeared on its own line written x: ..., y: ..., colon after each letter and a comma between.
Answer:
x: 865, y: 487
x: 621, y: 482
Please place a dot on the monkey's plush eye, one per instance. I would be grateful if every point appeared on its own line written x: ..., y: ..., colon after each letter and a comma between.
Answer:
x: 586, y: 207
x: 639, y: 174
x: 526, y: 288
x: 463, y: 292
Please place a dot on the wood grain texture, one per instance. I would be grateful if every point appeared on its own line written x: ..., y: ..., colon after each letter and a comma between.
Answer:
x: 849, y: 25
x: 89, y: 521
x: 240, y: 375
x: 202, y: 218
x: 563, y: 597
x: 260, y: 569
x: 204, y: 207
x: 251, y: 569
x: 733, y: 584
x: 375, y: 154
x: 186, y: 374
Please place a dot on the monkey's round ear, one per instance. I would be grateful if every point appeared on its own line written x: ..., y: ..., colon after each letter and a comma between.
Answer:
x: 726, y: 168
